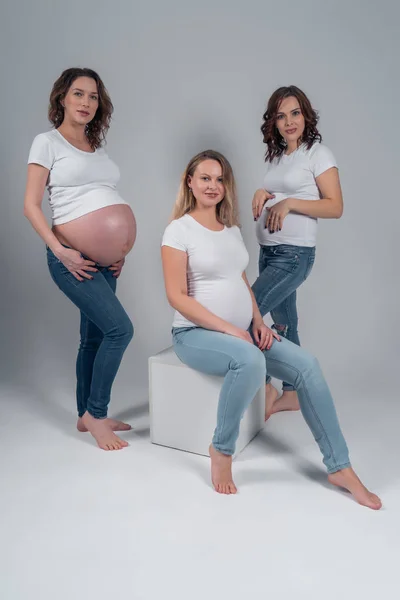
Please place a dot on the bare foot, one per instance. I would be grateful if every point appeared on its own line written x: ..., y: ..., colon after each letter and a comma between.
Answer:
x: 112, y: 423
x: 288, y: 401
x: 102, y: 433
x: 271, y: 395
x: 347, y: 479
x: 221, y: 472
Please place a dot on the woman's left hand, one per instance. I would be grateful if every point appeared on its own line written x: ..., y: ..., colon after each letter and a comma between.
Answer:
x: 117, y: 267
x: 264, y: 336
x: 276, y: 215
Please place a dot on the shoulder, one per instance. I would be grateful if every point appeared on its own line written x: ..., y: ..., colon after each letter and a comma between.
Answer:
x: 42, y: 150
x: 44, y: 139
x: 318, y: 151
x: 175, y: 234
x: 321, y: 158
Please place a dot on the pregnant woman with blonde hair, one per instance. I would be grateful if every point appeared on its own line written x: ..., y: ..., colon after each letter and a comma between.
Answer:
x: 93, y: 230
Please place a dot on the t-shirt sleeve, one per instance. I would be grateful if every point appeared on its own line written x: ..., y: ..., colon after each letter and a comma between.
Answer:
x: 322, y: 159
x: 41, y: 152
x: 174, y: 236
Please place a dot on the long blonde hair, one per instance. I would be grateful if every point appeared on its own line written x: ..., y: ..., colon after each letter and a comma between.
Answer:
x: 227, y: 209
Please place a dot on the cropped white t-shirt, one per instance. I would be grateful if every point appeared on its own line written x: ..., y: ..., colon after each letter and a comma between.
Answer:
x: 216, y: 261
x: 79, y: 182
x: 294, y: 176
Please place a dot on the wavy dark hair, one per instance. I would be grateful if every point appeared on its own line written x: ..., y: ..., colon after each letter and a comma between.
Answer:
x: 97, y: 129
x: 276, y: 144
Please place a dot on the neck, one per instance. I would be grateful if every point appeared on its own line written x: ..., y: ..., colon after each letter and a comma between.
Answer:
x: 73, y: 130
x: 206, y: 215
x: 292, y: 146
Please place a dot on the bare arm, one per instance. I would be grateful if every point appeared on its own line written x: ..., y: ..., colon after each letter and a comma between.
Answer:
x: 175, y: 277
x: 330, y: 206
x: 263, y: 335
x: 72, y: 259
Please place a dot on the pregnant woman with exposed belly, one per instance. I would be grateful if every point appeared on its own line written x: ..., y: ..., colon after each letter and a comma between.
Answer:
x: 93, y: 230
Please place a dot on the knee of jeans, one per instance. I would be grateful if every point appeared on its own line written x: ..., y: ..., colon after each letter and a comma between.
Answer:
x: 310, y: 363
x: 254, y: 362
x: 124, y: 330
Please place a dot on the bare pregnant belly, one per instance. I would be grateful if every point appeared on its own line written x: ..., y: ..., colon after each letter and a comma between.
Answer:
x: 105, y: 235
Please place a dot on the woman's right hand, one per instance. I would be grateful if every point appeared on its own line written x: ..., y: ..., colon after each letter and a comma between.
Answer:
x: 240, y: 333
x: 76, y: 264
x: 259, y: 199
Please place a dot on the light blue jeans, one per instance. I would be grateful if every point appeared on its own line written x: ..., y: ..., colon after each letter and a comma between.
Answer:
x: 245, y: 369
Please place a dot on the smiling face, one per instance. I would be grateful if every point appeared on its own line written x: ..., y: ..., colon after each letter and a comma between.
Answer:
x: 290, y: 121
x: 207, y: 183
x: 81, y: 101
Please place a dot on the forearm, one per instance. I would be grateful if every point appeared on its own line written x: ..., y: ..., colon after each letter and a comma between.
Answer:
x: 195, y: 312
x: 35, y: 216
x: 318, y: 209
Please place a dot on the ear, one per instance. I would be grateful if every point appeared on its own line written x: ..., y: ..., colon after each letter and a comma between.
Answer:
x: 189, y: 180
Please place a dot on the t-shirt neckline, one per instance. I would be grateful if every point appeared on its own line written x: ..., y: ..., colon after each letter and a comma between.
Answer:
x: 74, y: 147
x: 206, y: 228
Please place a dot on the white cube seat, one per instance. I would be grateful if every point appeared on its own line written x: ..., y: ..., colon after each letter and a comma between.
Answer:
x: 183, y: 406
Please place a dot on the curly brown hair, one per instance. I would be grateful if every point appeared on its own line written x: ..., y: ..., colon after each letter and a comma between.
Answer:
x: 227, y: 209
x: 276, y: 145
x: 97, y: 129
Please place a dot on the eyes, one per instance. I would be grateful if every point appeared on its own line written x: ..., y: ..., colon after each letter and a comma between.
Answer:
x: 92, y: 97
x: 205, y: 178
x: 295, y: 113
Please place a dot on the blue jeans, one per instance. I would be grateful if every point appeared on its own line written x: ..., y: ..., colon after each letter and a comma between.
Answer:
x: 282, y: 269
x: 106, y: 331
x: 244, y: 368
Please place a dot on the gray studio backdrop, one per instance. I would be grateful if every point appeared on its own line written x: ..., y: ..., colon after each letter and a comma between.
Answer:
x: 185, y: 76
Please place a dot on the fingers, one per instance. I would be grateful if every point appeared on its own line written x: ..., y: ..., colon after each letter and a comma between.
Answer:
x: 84, y: 274
x: 76, y: 276
x: 270, y: 341
x: 92, y: 269
x: 277, y: 337
x: 256, y: 335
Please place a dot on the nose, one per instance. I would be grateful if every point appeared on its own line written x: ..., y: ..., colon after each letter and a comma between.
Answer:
x: 85, y: 102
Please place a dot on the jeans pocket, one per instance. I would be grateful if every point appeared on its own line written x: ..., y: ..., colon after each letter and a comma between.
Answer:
x: 286, y: 258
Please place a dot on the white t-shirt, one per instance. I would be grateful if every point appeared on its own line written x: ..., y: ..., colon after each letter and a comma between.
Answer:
x: 79, y: 182
x: 216, y: 261
x: 294, y: 176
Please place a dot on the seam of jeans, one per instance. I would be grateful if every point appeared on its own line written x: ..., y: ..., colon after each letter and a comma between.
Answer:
x: 226, y: 404
x: 273, y: 288
x: 310, y: 405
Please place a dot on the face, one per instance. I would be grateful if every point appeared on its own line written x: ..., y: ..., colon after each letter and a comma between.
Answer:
x: 290, y: 120
x: 207, y: 183
x: 81, y: 101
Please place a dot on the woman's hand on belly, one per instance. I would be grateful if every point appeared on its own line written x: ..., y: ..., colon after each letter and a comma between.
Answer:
x: 117, y: 267
x: 260, y: 197
x: 76, y: 264
x: 277, y: 214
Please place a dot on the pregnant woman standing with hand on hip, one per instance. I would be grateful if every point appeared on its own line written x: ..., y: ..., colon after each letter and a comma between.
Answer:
x: 93, y: 230
x: 301, y: 185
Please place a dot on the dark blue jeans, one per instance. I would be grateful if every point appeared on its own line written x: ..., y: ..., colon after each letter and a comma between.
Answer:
x: 282, y: 269
x: 106, y: 331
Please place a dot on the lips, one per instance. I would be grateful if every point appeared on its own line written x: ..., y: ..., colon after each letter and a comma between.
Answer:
x: 289, y: 131
x: 83, y: 113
